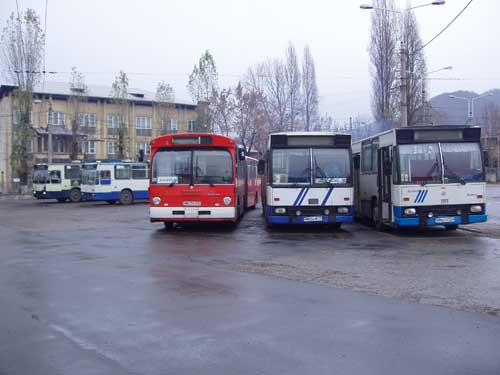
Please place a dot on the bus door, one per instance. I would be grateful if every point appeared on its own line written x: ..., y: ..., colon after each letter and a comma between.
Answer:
x: 384, y: 184
x: 357, y: 192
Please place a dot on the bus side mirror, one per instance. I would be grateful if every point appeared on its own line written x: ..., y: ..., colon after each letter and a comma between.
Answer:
x: 261, y: 167
x: 241, y: 153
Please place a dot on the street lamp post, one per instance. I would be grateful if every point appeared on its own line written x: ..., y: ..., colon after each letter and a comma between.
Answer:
x: 49, y: 133
x: 470, y: 105
x: 404, y: 79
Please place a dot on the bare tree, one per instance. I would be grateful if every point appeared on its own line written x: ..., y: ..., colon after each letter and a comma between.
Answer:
x: 292, y: 74
x: 276, y: 93
x: 223, y: 102
x: 119, y: 92
x: 165, y: 101
x: 22, y: 52
x: 383, y: 51
x: 309, y: 90
x: 203, y: 86
x: 416, y: 68
x: 78, y: 97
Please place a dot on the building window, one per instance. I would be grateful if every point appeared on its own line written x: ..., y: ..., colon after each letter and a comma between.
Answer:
x: 88, y: 147
x: 87, y: 120
x: 191, y: 125
x: 59, y: 145
x: 55, y: 118
x: 111, y: 148
x: 143, y: 146
x: 114, y: 121
x: 143, y: 125
x: 16, y: 116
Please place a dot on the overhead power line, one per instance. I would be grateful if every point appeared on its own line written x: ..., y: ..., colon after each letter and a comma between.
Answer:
x: 447, y: 26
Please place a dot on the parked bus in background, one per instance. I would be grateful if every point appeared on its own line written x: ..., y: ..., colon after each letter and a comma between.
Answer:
x: 307, y: 179
x: 57, y: 181
x: 253, y: 189
x: 199, y: 177
x: 419, y: 177
x: 115, y: 181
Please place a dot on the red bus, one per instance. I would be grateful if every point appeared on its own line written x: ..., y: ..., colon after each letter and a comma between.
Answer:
x: 200, y: 177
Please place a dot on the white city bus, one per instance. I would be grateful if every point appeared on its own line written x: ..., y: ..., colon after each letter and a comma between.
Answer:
x: 307, y: 179
x: 419, y: 177
x: 123, y: 181
x: 57, y: 181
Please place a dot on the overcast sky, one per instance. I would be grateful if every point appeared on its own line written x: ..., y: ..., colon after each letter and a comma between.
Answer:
x: 162, y: 40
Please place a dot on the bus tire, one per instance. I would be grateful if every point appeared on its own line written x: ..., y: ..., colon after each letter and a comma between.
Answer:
x: 75, y: 195
x: 126, y: 198
x: 168, y: 225
x: 61, y: 200
x: 374, y: 214
x: 337, y: 225
x: 451, y: 227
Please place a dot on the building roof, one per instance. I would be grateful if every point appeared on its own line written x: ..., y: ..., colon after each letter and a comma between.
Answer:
x: 135, y: 95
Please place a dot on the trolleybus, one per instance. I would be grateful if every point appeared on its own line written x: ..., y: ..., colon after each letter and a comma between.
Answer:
x: 307, y: 179
x: 57, y: 181
x: 420, y: 177
x: 200, y: 177
x: 115, y: 181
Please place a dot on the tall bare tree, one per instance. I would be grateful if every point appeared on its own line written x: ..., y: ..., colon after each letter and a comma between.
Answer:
x: 223, y: 102
x: 203, y: 87
x: 383, y: 51
x: 78, y: 97
x: 165, y: 101
x: 309, y: 90
x: 22, y: 53
x: 416, y: 67
x: 119, y: 92
x: 276, y: 93
x: 293, y: 86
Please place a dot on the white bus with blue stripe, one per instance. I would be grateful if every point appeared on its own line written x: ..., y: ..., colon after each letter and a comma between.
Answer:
x: 117, y: 181
x: 307, y: 179
x: 421, y: 177
x: 57, y: 181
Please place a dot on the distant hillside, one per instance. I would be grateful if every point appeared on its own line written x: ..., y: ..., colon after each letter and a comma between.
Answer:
x: 449, y: 111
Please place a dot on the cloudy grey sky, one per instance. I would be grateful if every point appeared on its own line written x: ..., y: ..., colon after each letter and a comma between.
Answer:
x: 156, y: 40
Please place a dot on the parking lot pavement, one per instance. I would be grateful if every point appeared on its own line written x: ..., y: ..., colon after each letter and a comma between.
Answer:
x: 90, y: 288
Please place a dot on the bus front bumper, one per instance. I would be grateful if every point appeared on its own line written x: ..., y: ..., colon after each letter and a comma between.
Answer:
x: 424, y: 221
x: 310, y: 215
x: 50, y: 194
x: 192, y: 214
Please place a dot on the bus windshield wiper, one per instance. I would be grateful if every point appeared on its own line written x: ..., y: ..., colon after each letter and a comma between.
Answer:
x: 454, y: 174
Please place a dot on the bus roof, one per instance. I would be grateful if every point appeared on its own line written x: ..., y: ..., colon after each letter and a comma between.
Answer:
x: 315, y: 133
x: 193, y: 139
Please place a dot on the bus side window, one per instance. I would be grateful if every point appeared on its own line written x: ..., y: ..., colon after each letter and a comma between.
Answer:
x: 122, y: 172
x: 366, y: 156
x: 139, y: 172
x: 55, y: 177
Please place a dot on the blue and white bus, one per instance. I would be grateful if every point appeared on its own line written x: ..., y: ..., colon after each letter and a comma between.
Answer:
x: 57, y: 181
x: 307, y: 179
x: 113, y: 182
x: 420, y: 177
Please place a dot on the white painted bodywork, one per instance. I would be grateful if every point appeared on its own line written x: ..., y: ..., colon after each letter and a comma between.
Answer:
x: 192, y: 213
x: 339, y: 196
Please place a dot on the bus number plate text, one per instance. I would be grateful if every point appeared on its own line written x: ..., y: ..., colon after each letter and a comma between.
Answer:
x: 312, y: 218
x: 191, y: 203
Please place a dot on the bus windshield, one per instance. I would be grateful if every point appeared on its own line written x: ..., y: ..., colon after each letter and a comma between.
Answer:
x: 293, y: 166
x: 420, y: 163
x: 331, y: 166
x: 40, y: 176
x: 198, y: 166
x: 462, y: 162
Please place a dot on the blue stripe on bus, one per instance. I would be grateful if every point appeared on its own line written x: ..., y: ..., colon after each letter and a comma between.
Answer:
x: 298, y: 196
x: 424, y: 196
x: 327, y: 196
x: 303, y: 196
x: 417, y: 197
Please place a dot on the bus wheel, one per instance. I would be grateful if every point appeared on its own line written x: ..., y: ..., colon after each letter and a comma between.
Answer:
x: 61, y: 200
x: 126, y: 197
x: 111, y: 202
x: 451, y: 227
x: 168, y: 225
x: 75, y: 195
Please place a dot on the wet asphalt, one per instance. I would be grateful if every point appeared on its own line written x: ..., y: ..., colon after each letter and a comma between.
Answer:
x: 95, y: 289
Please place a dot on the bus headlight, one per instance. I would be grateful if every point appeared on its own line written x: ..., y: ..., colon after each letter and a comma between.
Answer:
x: 343, y: 210
x: 410, y: 211
x: 156, y: 201
x: 327, y: 212
x: 280, y: 210
x: 227, y: 201
x: 476, y: 209
x: 298, y: 213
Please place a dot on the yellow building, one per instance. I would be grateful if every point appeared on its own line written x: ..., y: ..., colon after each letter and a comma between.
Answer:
x: 98, y: 119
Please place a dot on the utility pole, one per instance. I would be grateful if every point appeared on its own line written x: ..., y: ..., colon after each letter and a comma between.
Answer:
x: 423, y: 104
x: 49, y: 132
x: 404, y: 90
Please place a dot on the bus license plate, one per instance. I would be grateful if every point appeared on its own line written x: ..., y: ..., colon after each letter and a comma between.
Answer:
x: 445, y: 220
x: 313, y: 218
